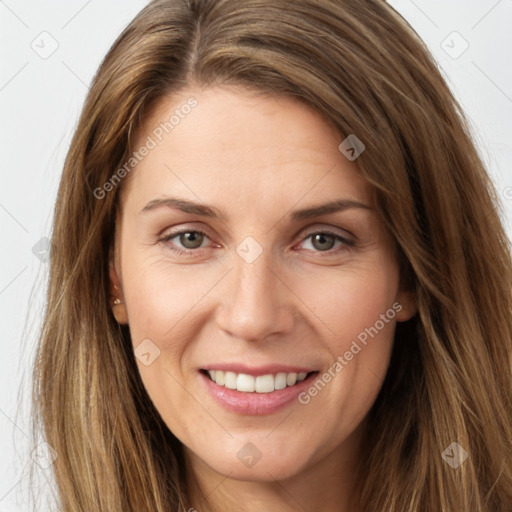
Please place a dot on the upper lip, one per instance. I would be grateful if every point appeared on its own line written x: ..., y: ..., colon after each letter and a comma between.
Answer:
x: 256, y: 371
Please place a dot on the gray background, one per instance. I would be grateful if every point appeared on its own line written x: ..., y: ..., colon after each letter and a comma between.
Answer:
x: 41, y: 94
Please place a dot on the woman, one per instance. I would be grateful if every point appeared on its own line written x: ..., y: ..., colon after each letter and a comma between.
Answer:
x: 279, y: 280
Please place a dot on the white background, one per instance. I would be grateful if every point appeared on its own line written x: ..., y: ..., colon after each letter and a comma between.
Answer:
x: 40, y: 100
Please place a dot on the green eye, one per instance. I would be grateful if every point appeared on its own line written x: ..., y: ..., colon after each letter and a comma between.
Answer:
x: 188, y: 239
x: 324, y: 241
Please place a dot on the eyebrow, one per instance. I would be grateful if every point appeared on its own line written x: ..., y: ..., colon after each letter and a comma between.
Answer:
x: 204, y: 210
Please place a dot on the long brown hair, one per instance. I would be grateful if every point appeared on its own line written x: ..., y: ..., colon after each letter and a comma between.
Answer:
x: 361, y: 66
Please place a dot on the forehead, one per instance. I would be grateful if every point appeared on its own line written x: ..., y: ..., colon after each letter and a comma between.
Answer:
x: 232, y: 142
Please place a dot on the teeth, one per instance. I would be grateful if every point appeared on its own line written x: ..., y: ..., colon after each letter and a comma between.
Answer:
x: 261, y: 384
x: 291, y: 379
x: 280, y: 381
x: 264, y: 383
x: 230, y: 380
x: 245, y: 383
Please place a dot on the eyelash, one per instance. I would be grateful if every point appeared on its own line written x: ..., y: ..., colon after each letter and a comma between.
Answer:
x: 343, y: 240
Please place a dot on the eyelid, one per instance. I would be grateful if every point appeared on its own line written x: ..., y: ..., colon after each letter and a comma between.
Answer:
x: 179, y: 231
x: 342, y: 233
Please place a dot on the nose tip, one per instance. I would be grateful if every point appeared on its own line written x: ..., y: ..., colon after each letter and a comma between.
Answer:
x: 255, y: 303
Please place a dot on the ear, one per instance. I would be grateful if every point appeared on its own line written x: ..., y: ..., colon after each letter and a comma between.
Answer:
x: 116, y: 292
x: 405, y: 306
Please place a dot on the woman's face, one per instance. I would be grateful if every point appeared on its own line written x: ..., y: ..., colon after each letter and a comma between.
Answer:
x: 229, y: 260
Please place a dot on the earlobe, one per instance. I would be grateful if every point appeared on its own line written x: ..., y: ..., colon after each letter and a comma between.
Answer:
x: 405, y: 306
x: 117, y: 302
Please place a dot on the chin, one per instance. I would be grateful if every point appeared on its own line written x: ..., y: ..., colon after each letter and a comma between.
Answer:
x: 258, y: 459
x: 269, y: 470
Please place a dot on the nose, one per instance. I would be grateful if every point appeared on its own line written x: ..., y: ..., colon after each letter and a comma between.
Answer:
x: 256, y: 302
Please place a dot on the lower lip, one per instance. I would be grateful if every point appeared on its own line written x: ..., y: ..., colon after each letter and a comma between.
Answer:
x: 255, y: 403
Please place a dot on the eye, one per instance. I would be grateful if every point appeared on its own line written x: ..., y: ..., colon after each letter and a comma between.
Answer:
x: 189, y: 239
x: 324, y: 241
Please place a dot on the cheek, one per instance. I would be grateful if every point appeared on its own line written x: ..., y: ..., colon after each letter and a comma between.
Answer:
x: 356, y: 312
x: 160, y: 296
x: 346, y: 302
x: 162, y: 304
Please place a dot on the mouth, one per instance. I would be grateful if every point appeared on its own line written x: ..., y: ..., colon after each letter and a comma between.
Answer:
x: 246, y: 383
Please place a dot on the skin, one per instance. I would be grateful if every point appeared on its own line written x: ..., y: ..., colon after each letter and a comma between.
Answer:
x: 301, y: 302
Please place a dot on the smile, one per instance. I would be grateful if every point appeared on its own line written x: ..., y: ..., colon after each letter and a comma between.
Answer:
x: 250, y: 391
x: 255, y: 384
